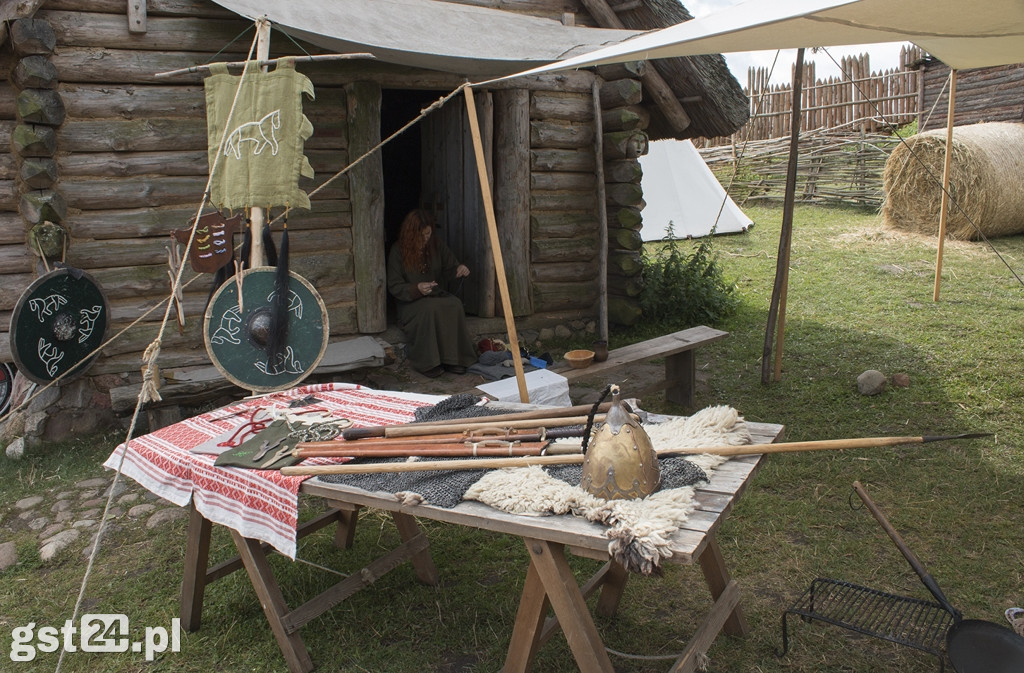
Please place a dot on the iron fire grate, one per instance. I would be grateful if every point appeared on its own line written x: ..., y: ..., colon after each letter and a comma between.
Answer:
x: 907, y: 621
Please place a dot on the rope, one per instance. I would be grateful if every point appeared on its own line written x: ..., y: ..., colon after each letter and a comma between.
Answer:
x: 152, y: 352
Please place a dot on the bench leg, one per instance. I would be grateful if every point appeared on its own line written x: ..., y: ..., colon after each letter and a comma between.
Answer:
x: 713, y: 565
x: 421, y: 561
x: 269, y: 592
x: 197, y: 556
x: 681, y: 378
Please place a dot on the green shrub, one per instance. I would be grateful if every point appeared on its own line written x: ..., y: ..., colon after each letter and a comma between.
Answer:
x: 681, y: 290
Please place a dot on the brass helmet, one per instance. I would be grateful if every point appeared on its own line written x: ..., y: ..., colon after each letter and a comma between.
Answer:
x: 620, y: 461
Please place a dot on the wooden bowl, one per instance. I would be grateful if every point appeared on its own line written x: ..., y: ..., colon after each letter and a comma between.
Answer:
x: 579, y: 359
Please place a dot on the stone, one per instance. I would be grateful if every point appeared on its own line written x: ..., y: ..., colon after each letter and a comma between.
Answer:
x: 118, y: 488
x: 114, y: 512
x: 16, y: 448
x: 35, y: 423
x: 51, y: 530
x: 127, y: 498
x: 84, y: 523
x: 61, y: 506
x: 8, y: 555
x: 67, y: 515
x: 900, y: 380
x: 45, y: 399
x: 38, y: 523
x: 91, y: 513
x: 871, y: 382
x: 29, y: 502
x: 64, y: 495
x: 95, y: 482
x: 58, y: 543
x: 591, y: 327
x: 165, y: 515
x: 94, y: 502
x: 140, y: 510
x: 563, y: 332
x: 88, y: 495
x: 546, y: 334
x: 28, y: 515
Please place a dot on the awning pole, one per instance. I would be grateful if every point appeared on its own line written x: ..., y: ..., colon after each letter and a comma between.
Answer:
x: 257, y: 255
x: 944, y: 208
x: 492, y: 230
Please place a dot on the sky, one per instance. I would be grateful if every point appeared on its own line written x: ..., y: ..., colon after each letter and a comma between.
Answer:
x: 882, y: 56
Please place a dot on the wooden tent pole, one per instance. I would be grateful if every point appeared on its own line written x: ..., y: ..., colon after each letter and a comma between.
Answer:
x: 602, y: 214
x: 944, y: 208
x: 492, y: 230
x: 777, y: 308
x: 257, y: 255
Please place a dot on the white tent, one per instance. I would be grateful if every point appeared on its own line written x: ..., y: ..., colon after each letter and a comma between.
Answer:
x: 681, y: 189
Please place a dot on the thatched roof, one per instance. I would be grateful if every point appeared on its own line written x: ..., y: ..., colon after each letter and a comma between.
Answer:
x: 709, y: 93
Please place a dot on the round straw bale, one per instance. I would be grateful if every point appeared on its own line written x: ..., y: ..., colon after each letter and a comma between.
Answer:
x: 985, y: 187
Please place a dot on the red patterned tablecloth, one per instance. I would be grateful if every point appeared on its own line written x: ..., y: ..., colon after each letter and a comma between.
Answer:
x: 259, y: 504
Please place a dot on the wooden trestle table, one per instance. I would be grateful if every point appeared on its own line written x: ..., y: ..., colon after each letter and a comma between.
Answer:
x: 549, y: 580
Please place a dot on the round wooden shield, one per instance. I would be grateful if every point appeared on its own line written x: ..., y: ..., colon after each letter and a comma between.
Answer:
x: 59, y: 320
x: 236, y: 339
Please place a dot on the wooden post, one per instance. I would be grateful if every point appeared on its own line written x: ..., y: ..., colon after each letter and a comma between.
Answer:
x: 944, y: 207
x: 778, y: 303
x: 257, y: 255
x: 492, y: 230
x: 602, y: 215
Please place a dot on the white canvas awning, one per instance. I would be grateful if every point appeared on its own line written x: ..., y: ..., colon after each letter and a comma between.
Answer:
x: 429, y: 34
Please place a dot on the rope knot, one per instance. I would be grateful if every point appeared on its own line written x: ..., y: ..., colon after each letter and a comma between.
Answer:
x: 151, y: 373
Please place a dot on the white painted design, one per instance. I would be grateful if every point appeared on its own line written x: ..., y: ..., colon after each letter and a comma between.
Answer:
x: 46, y: 307
x: 261, y: 133
x: 294, y: 303
x: 229, y: 329
x: 87, y: 322
x: 285, y: 364
x: 50, y: 355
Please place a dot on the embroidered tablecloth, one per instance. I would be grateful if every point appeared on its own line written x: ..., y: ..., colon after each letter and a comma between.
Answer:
x: 259, y: 504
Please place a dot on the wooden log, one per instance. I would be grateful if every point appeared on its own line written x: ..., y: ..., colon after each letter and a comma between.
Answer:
x: 629, y: 218
x: 627, y: 70
x: 135, y: 192
x: 511, y: 189
x: 578, y: 201
x: 12, y: 229
x: 125, y: 164
x: 109, y: 31
x: 367, y: 184
x: 624, y: 194
x: 41, y: 106
x: 564, y: 296
x: 28, y: 140
x: 7, y: 107
x: 137, y: 135
x: 12, y: 287
x: 37, y: 172
x: 569, y: 161
x: 97, y: 101
x: 624, y: 263
x: 561, y: 224
x: 630, y: 286
x: 9, y: 168
x: 625, y: 170
x: 583, y: 248
x: 625, y: 144
x: 564, y: 272
x: 570, y: 182
x: 560, y: 135
x: 37, y: 206
x: 623, y: 310
x: 621, y: 93
x: 188, y: 8
x: 16, y: 258
x: 5, y: 342
x: 631, y: 118
x: 569, y: 107
x: 625, y: 239
x: 32, y: 36
x: 34, y: 72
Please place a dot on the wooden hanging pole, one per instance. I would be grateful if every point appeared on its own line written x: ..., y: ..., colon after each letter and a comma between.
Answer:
x: 492, y: 230
x: 205, y: 67
x: 257, y: 254
x: 947, y: 163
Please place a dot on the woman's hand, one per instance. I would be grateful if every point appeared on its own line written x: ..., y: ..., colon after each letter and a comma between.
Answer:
x: 462, y: 271
x: 426, y: 287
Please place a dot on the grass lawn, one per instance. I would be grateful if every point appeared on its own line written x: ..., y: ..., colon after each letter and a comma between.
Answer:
x: 860, y: 297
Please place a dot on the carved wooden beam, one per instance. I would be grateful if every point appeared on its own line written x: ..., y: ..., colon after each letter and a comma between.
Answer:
x: 654, y: 83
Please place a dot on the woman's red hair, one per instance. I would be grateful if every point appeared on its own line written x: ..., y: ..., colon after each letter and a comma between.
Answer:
x: 410, y: 239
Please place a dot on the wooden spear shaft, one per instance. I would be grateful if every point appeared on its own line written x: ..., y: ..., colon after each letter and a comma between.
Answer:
x: 576, y: 459
x: 417, y: 430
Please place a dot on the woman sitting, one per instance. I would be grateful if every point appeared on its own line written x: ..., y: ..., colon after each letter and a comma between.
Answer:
x: 421, y: 269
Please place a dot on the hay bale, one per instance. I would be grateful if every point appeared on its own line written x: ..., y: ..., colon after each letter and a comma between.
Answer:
x: 985, y: 181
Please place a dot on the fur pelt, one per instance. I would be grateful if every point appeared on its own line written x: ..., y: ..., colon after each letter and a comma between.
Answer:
x: 639, y: 531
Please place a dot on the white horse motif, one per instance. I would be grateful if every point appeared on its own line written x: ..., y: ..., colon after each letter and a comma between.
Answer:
x: 49, y: 355
x: 285, y: 364
x: 87, y: 322
x: 46, y: 307
x: 227, y: 331
x: 260, y: 132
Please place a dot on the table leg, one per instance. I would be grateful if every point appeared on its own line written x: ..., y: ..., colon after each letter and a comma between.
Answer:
x: 197, y: 555
x: 550, y: 579
x: 612, y: 587
x: 345, y: 533
x: 713, y: 565
x: 262, y: 577
x: 681, y: 378
x: 421, y: 561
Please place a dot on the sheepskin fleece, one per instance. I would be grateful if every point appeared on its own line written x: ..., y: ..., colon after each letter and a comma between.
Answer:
x: 639, y: 531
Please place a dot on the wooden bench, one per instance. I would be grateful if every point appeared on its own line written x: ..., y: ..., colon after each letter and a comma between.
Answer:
x: 678, y: 350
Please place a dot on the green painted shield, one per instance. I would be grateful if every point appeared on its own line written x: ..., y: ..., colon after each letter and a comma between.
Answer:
x: 235, y: 339
x: 60, y: 319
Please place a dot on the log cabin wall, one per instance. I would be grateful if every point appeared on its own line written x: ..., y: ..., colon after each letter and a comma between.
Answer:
x: 982, y: 95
